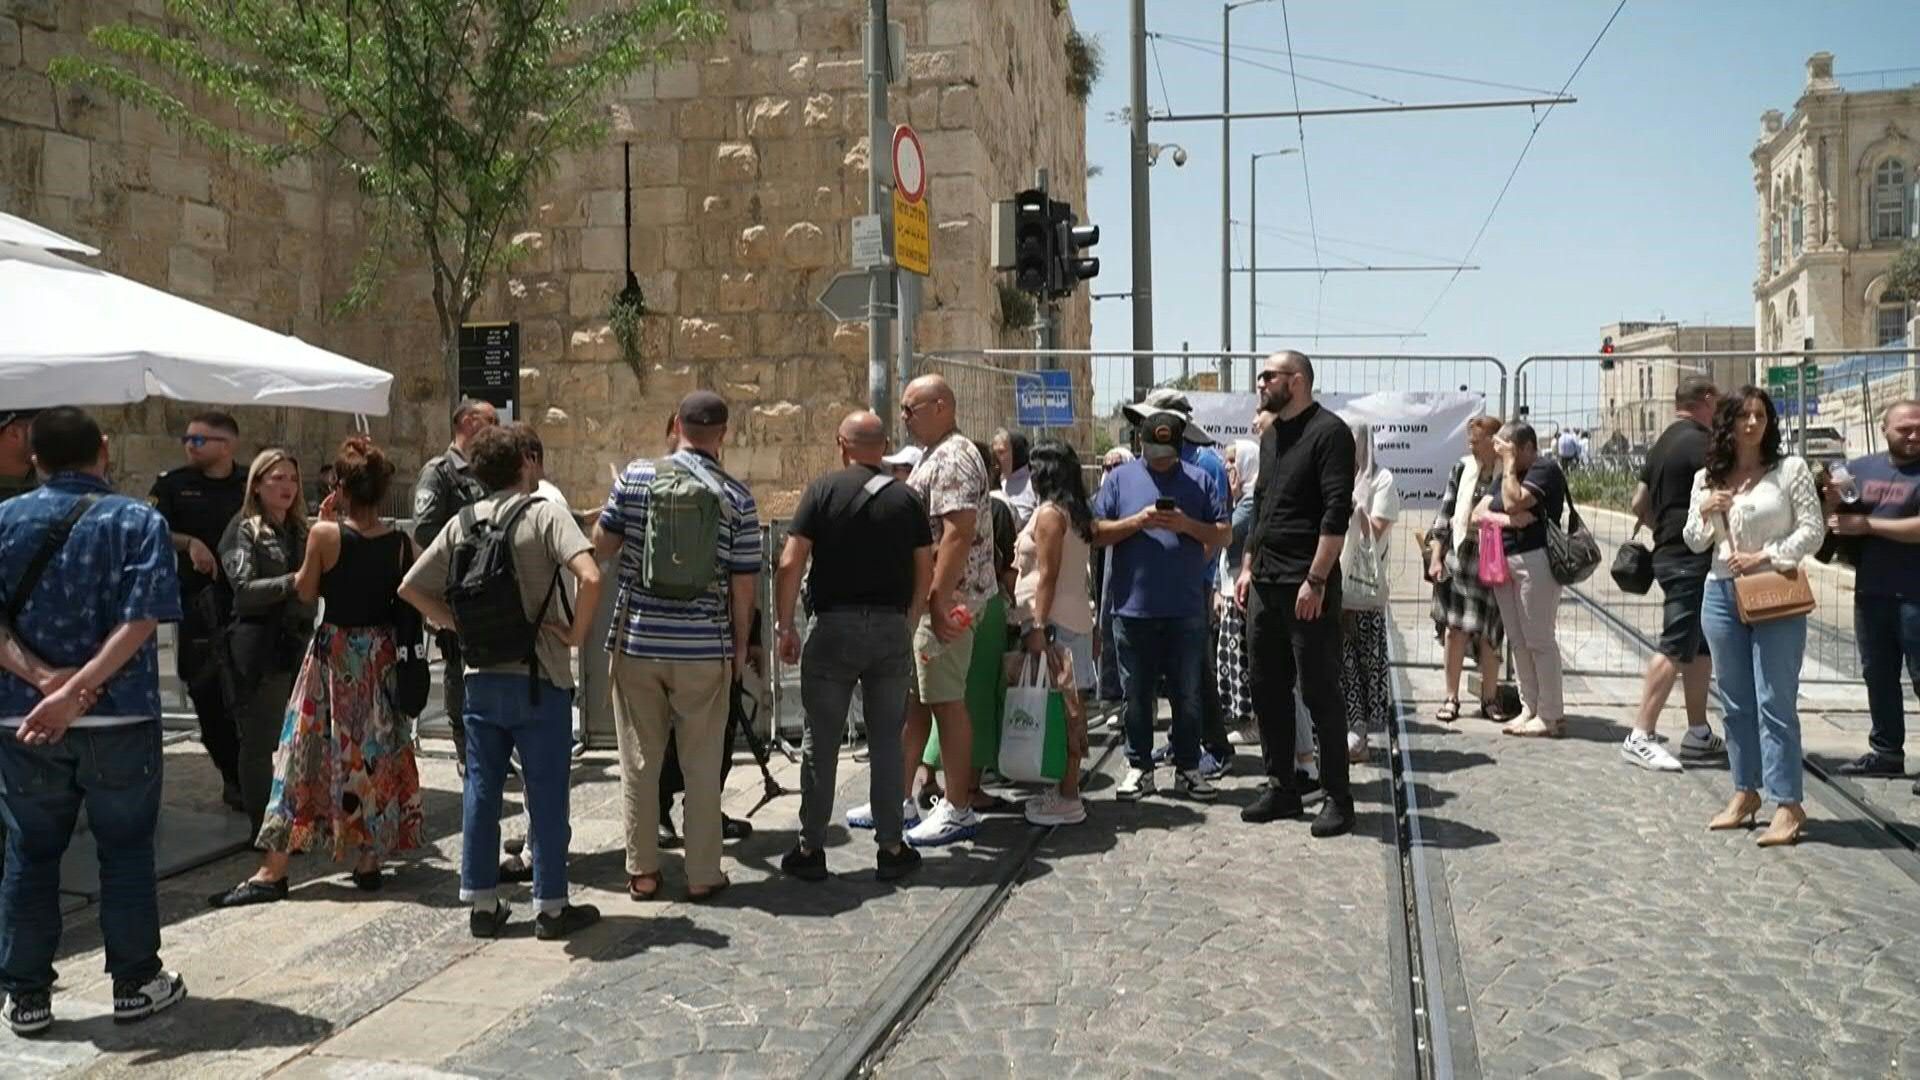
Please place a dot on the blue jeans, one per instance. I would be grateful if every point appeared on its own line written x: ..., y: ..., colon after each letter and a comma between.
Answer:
x: 502, y: 716
x: 1758, y: 669
x: 1149, y: 649
x: 115, y: 773
x: 1113, y: 684
x: 1887, y: 629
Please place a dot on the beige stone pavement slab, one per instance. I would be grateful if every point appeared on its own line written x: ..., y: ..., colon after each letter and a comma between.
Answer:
x: 490, y: 979
x: 423, y: 1032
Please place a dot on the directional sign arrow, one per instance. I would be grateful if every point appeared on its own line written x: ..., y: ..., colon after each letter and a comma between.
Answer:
x: 845, y: 297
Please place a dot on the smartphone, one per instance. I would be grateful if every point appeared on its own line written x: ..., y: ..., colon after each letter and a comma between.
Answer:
x: 1164, y: 503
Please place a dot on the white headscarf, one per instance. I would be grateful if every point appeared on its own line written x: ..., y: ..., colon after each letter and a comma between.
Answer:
x: 1246, y: 462
x: 1364, y: 465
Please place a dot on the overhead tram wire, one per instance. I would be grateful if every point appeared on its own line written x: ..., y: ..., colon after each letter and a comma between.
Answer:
x: 1363, y: 64
x: 1306, y: 175
x: 1165, y: 97
x: 1287, y: 235
x: 1214, y: 51
x: 1515, y: 171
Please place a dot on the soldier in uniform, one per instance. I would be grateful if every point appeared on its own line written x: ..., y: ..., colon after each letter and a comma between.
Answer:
x: 198, y: 500
x: 16, y: 457
x: 446, y: 487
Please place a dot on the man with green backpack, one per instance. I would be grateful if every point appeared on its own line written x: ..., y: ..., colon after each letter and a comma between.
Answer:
x: 688, y: 537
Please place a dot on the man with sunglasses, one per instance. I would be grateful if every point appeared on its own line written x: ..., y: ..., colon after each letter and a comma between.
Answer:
x: 198, y: 500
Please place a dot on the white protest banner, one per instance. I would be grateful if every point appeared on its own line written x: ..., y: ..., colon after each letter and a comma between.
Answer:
x: 1417, y: 434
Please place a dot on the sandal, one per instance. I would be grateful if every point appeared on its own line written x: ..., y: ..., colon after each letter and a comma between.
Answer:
x: 711, y: 891
x: 1449, y: 711
x: 1490, y: 710
x: 639, y: 895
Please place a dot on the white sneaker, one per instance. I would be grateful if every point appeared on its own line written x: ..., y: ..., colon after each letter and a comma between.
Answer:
x: 1709, y: 745
x: 861, y: 817
x: 137, y: 1001
x: 1053, y: 808
x: 1641, y: 750
x: 1136, y: 783
x: 1356, y: 748
x: 1244, y: 735
x: 945, y: 824
x: 1194, y: 785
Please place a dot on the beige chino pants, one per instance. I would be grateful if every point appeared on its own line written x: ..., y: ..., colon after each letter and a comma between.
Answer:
x: 688, y: 699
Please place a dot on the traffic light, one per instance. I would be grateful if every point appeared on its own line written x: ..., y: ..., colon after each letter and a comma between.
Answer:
x: 1073, y: 238
x: 1035, y: 248
x: 1606, y: 353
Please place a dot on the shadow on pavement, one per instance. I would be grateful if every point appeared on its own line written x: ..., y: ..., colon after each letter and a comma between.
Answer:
x: 194, y: 1026
x: 619, y: 937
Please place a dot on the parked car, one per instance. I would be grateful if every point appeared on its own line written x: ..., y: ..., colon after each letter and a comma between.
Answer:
x: 1822, y: 444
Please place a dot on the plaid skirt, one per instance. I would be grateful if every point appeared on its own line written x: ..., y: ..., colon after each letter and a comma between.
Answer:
x: 1230, y: 666
x: 1462, y: 603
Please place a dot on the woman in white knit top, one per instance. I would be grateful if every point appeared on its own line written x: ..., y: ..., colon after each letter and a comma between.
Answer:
x: 1758, y: 511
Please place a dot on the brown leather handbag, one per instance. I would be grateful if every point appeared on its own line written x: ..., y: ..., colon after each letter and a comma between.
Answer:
x: 1769, y: 595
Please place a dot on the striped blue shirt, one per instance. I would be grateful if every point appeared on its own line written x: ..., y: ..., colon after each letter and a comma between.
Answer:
x: 654, y: 627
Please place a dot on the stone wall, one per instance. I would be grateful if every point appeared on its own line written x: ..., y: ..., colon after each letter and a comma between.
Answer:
x: 749, y: 158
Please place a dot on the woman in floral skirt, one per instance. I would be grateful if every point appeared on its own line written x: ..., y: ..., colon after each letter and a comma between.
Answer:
x: 344, y: 775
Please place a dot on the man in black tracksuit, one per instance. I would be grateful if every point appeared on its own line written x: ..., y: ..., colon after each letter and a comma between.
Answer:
x: 1290, y: 585
x: 446, y: 487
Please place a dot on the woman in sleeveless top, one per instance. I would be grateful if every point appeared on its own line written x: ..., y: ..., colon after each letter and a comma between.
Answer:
x: 1055, y: 609
x: 344, y: 775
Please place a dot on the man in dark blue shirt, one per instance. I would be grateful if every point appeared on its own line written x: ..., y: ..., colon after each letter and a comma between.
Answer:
x: 80, y: 717
x: 1161, y: 515
x: 1880, y: 504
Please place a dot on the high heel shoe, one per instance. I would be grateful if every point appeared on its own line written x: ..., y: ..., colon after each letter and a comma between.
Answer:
x: 1784, y: 829
x: 1739, y: 813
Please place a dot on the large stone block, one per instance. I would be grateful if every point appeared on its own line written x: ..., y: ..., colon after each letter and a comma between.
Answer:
x: 203, y: 227
x: 189, y: 272
x: 959, y: 106
x: 772, y: 31
x: 172, y: 175
x: 541, y: 340
x: 26, y: 97
x: 679, y: 79
x: 529, y: 295
x: 754, y: 246
x: 66, y: 167
x: 832, y: 27
x: 953, y: 23
x: 772, y: 118
x: 736, y: 162
x: 9, y: 42
x: 805, y: 245
x: 603, y: 249
x: 742, y: 292
x: 590, y: 294
x: 707, y: 339
x: 707, y: 118
x: 839, y: 74
x: 88, y: 113
x: 819, y: 114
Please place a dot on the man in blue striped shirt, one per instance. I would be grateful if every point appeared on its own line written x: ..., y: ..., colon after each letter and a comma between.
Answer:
x: 675, y: 660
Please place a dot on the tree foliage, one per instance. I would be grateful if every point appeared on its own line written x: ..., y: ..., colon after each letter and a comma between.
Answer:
x: 449, y: 114
x: 1904, y: 274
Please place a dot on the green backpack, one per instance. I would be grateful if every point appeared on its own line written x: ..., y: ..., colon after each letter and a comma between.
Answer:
x: 680, y: 555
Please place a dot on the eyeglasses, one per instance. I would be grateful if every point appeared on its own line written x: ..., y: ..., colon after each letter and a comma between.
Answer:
x: 1269, y: 376
x: 907, y: 411
x: 200, y: 441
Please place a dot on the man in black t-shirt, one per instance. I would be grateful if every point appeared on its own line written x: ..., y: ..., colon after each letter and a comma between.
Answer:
x: 872, y: 551
x: 1660, y: 503
x: 198, y: 500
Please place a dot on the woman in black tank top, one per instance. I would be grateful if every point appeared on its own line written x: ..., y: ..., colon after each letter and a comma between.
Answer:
x: 346, y: 777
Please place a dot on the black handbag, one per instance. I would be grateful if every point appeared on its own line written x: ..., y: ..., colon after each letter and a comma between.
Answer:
x: 1633, y: 568
x: 412, y: 682
x: 1572, y: 552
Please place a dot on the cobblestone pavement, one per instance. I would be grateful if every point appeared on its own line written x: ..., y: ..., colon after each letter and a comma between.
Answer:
x: 1167, y: 938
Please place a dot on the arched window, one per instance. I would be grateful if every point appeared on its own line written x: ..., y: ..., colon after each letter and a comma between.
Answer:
x: 1775, y: 258
x: 1797, y: 227
x: 1773, y: 327
x: 1890, y: 319
x: 1890, y: 206
x: 1793, y: 308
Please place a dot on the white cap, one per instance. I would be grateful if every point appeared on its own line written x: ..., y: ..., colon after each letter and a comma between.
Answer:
x: 908, y: 456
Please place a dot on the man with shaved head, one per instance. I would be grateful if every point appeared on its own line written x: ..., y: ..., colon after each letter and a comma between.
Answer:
x: 871, y: 548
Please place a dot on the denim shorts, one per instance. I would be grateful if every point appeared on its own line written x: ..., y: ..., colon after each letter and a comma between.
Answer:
x: 1683, y: 582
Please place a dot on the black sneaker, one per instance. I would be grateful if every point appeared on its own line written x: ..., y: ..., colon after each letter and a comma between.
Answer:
x: 488, y: 924
x: 1273, y: 805
x: 565, y: 921
x: 1307, y: 785
x: 1875, y: 763
x: 1335, y: 819
x: 515, y: 870
x: 805, y: 865
x: 29, y: 1013
x: 896, y: 864
x: 250, y: 892
x: 733, y: 828
x: 668, y: 836
x: 137, y: 1001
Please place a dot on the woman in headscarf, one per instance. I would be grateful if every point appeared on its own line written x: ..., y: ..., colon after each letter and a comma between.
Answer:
x: 1364, y: 678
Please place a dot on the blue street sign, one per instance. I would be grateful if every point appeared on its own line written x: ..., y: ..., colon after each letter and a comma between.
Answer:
x: 1043, y: 399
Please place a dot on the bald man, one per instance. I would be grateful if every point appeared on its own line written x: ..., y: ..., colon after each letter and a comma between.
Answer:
x: 871, y: 547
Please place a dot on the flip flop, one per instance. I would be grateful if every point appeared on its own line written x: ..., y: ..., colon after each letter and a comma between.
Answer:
x: 633, y: 887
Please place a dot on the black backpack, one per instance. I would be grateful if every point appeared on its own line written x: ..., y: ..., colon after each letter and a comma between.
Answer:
x: 483, y: 589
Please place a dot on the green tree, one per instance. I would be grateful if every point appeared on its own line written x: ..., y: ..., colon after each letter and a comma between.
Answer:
x: 1904, y: 274
x: 449, y: 114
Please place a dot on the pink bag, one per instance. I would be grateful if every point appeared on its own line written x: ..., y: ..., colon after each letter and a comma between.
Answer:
x: 1493, y: 555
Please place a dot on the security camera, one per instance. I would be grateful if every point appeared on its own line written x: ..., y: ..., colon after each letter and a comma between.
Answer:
x: 1179, y: 156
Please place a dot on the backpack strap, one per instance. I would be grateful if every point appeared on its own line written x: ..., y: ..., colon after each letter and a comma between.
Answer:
x: 872, y: 487
x: 50, y: 546
x: 697, y: 465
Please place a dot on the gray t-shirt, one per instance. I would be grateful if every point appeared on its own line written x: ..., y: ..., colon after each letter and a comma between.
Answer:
x: 545, y: 539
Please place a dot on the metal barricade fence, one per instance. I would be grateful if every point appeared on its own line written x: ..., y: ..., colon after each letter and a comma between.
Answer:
x: 1615, y: 407
x: 986, y: 386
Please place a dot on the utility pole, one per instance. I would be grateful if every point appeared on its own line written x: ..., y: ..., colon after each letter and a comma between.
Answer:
x: 1141, y: 238
x: 879, y: 173
x: 1226, y: 194
x: 1046, y: 328
x: 1253, y: 243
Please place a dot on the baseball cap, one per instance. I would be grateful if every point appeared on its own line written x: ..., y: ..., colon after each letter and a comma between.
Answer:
x: 1166, y: 397
x: 908, y: 456
x: 703, y: 408
x: 1161, y: 432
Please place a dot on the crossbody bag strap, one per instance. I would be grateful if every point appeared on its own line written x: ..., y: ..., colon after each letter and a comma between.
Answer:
x: 868, y: 490
x: 50, y: 546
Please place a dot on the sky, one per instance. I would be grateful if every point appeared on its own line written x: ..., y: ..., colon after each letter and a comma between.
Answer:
x: 1635, y: 202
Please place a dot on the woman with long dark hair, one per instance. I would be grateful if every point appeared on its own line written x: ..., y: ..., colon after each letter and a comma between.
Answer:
x: 1054, y: 607
x: 1758, y: 510
x: 344, y: 774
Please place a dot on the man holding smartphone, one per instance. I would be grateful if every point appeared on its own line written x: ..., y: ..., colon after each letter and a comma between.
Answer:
x: 1161, y: 515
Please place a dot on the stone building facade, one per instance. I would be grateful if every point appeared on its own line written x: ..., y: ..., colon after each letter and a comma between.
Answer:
x: 1837, y: 193
x: 1636, y: 394
x: 749, y: 159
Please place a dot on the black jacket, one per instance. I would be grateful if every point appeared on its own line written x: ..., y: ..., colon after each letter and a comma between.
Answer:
x: 271, y: 624
x: 446, y: 487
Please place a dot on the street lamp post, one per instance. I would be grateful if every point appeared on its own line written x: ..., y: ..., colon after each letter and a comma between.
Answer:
x: 1253, y: 243
x: 1226, y: 184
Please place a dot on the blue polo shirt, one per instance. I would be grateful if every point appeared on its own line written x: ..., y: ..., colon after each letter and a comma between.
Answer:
x: 1158, y: 573
x: 1208, y: 458
x: 117, y: 567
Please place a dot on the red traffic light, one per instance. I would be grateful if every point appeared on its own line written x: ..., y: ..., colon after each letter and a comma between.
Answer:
x: 1606, y: 346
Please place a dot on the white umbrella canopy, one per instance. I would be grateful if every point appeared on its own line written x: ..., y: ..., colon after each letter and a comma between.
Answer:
x: 18, y: 230
x: 71, y: 334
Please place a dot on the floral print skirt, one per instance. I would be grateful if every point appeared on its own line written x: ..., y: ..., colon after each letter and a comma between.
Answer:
x: 344, y: 774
